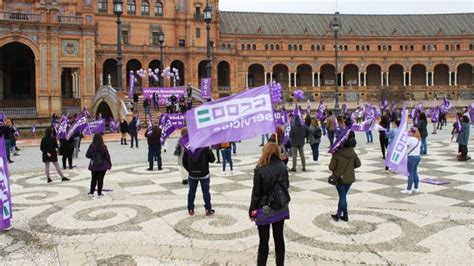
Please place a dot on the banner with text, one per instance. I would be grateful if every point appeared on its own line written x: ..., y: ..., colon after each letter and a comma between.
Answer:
x: 6, y: 202
x: 206, y: 88
x: 164, y: 93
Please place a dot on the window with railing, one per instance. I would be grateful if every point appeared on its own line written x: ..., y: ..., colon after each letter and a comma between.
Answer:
x: 155, y: 38
x: 131, y: 7
x: 125, y: 36
x: 145, y: 8
x: 158, y: 9
x: 102, y: 5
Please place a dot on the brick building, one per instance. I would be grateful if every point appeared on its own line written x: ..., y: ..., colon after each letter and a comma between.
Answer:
x: 54, y: 54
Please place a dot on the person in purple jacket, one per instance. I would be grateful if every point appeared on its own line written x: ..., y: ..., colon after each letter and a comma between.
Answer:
x: 99, y: 164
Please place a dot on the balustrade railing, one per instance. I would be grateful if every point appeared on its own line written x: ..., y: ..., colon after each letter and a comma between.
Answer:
x: 18, y: 16
x: 19, y: 112
x: 73, y: 20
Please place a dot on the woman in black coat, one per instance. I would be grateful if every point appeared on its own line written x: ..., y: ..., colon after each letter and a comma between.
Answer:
x: 123, y: 131
x: 48, y: 148
x: 67, y: 149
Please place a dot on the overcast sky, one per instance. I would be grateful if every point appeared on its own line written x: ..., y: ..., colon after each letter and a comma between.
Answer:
x: 350, y: 6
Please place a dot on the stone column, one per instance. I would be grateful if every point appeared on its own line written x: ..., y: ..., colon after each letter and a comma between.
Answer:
x: 365, y: 79
x: 450, y: 76
x: 358, y: 78
x: 342, y: 79
x: 312, y: 79
x: 319, y: 79
x: 271, y: 76
x: 388, y: 81
x: 266, y: 78
x: 455, y: 78
x: 409, y: 78
x: 427, y: 75
x: 289, y: 79
x: 381, y: 78
x: 246, y: 79
x: 404, y: 78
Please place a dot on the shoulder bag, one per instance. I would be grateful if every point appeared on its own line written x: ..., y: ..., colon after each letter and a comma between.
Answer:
x: 334, y: 179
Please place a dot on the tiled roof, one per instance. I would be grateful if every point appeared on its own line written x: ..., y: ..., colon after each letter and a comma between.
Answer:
x: 357, y: 25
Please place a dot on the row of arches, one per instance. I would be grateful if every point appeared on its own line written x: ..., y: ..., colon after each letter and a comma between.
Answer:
x: 110, y: 68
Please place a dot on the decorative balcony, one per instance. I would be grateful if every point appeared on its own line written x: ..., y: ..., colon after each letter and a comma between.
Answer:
x: 17, y: 16
x: 72, y: 20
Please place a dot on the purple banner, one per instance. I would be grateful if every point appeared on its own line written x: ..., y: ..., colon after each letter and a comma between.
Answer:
x: 434, y: 113
x: 132, y: 85
x: 320, y: 113
x: 177, y: 120
x: 471, y: 113
x: 397, y: 151
x: 286, y: 134
x: 6, y: 202
x: 164, y: 93
x: 167, y: 128
x: 364, y: 126
x: 276, y: 92
x: 281, y: 117
x: 184, y: 142
x: 95, y: 127
x: 341, y: 140
x: 206, y: 88
x: 79, y: 126
x: 237, y: 117
x: 446, y: 105
x: 61, y: 129
x: 114, y: 125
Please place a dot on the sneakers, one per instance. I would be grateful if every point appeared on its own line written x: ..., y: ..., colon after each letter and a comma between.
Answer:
x: 416, y: 190
x: 405, y: 191
x: 223, y: 172
x: 65, y: 179
x: 149, y: 169
x: 191, y: 212
x: 100, y: 196
x: 90, y: 194
x: 210, y: 212
x: 231, y: 172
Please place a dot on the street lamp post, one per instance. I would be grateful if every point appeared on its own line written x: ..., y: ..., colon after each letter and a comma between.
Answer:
x: 161, y: 39
x: 118, y: 11
x: 208, y: 19
x: 336, y: 27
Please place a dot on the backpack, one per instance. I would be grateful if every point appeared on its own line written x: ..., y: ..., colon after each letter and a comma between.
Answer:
x: 279, y: 196
x: 317, y: 133
x: 97, y: 158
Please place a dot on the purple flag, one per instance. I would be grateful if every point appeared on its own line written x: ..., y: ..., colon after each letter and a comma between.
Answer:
x: 276, y: 92
x: 184, y: 142
x: 237, y: 117
x: 320, y: 113
x: 344, y: 108
x: 78, y: 126
x: 3, y: 117
x: 471, y: 113
x: 383, y: 105
x: 434, y: 113
x: 446, y: 105
x: 167, y: 128
x: 297, y: 113
x: 132, y: 85
x: 397, y: 151
x: 369, y: 112
x: 206, y: 88
x: 458, y: 125
x: 61, y: 130
x: 364, y: 126
x: 6, y: 201
x: 95, y: 127
x: 286, y: 134
x: 341, y: 140
x: 176, y: 119
x: 86, y: 112
x: 281, y: 117
x: 114, y: 125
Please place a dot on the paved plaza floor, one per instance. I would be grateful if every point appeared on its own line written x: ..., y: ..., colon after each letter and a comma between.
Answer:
x: 144, y: 221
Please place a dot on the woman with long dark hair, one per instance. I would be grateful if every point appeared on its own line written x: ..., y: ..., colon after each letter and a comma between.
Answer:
x: 422, y: 127
x: 154, y: 147
x: 270, y: 169
x: 49, y: 147
x: 385, y: 123
x: 99, y: 164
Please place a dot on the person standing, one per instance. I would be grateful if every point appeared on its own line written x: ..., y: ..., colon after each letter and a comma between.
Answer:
x: 330, y: 127
x: 179, y: 152
x: 298, y: 135
x: 123, y: 131
x: 270, y: 169
x: 422, y: 127
x: 8, y: 134
x: 67, y: 149
x: 414, y: 151
x: 133, y: 131
x: 463, y: 139
x: 369, y: 136
x: 99, y: 164
x: 189, y: 103
x: 226, y: 151
x: 384, y: 123
x: 343, y: 162
x: 146, y: 105
x: 49, y: 147
x: 314, y: 138
x: 154, y: 147
x: 156, y: 99
x: 198, y: 171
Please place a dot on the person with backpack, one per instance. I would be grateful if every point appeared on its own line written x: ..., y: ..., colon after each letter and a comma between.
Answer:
x: 133, y: 131
x: 226, y: 152
x: 123, y: 131
x: 343, y: 162
x: 154, y: 147
x: 99, y: 164
x: 314, y: 138
x: 197, y: 166
x: 49, y: 147
x: 298, y: 135
x: 269, y: 202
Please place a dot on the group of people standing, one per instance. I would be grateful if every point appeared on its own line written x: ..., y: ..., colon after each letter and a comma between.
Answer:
x: 10, y: 134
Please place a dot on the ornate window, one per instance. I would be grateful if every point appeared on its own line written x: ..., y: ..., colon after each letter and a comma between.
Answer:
x: 158, y: 9
x: 254, y: 47
x: 131, y: 7
x: 102, y: 5
x: 278, y: 47
x: 243, y: 46
x: 145, y: 8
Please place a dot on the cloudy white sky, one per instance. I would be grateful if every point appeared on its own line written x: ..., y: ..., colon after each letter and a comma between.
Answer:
x: 350, y: 6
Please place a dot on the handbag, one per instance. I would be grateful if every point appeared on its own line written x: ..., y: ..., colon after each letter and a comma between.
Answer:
x: 334, y: 179
x: 278, y: 199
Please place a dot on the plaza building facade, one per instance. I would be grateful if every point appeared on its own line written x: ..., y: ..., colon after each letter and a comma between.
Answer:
x: 55, y: 55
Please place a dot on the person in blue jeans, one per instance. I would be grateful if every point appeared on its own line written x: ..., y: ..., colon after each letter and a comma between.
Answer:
x: 343, y: 162
x: 414, y: 149
x: 197, y: 166
x: 226, y: 152
x: 422, y: 128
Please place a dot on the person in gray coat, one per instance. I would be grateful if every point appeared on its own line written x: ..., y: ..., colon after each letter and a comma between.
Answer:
x: 298, y: 135
x: 314, y: 138
x: 463, y: 138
